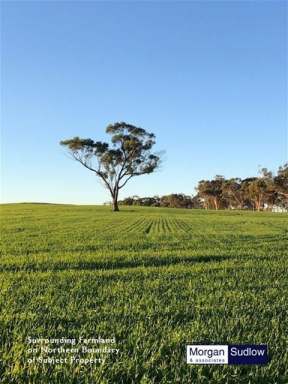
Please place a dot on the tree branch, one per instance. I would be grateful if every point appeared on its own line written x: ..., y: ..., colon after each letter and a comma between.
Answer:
x: 99, y: 173
x: 121, y: 186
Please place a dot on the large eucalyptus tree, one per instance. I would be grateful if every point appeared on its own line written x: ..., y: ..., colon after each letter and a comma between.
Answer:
x: 128, y: 155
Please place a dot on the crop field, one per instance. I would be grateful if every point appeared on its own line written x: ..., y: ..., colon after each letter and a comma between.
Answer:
x: 153, y: 278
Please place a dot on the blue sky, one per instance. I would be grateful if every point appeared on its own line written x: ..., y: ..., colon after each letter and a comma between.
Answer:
x: 208, y: 78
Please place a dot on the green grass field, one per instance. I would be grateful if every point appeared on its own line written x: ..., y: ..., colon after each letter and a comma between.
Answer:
x: 153, y: 278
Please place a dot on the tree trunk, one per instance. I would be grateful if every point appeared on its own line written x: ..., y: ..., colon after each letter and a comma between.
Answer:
x: 115, y: 207
x: 257, y: 205
x: 114, y: 195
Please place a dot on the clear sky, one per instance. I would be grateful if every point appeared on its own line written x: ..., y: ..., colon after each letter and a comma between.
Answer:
x: 208, y: 78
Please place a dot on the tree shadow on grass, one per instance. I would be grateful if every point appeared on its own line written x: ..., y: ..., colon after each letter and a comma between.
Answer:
x: 115, y: 264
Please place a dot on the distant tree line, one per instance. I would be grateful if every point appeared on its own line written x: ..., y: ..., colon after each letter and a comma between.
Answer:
x: 256, y: 193
x: 175, y: 200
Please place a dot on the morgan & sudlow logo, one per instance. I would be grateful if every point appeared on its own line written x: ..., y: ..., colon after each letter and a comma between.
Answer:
x: 227, y: 354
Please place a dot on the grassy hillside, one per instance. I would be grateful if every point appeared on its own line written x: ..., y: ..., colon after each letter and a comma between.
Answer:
x: 152, y: 278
